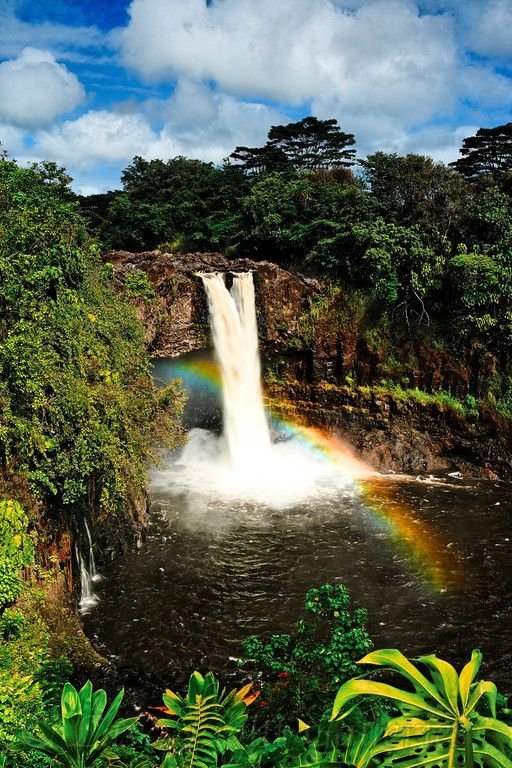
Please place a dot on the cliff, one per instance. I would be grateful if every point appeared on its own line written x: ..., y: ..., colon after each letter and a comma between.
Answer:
x: 313, y: 346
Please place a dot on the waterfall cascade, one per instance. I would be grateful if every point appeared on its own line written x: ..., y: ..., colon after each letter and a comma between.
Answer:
x: 88, y: 573
x: 245, y: 463
x: 235, y: 338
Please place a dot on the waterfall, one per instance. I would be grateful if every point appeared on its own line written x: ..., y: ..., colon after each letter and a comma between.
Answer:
x: 88, y: 573
x: 92, y: 563
x: 87, y: 596
x: 235, y: 338
x: 244, y: 464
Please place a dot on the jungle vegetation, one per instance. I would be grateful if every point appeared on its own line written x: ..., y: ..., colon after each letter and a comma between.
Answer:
x: 428, y: 245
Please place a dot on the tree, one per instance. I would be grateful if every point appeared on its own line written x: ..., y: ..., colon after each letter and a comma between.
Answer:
x: 488, y: 153
x: 312, y: 143
x: 305, y: 145
x: 78, y: 409
x: 415, y: 190
x: 401, y: 266
x: 256, y: 160
x: 180, y: 202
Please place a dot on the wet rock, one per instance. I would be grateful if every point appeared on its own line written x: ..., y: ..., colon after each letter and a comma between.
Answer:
x: 177, y: 322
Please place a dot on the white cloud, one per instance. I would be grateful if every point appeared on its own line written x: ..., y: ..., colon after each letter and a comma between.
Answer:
x: 35, y: 89
x: 197, y: 123
x: 96, y: 137
x: 490, y: 28
x: 295, y: 50
x: 381, y: 67
x: 11, y: 138
x: 208, y: 125
x: 63, y: 40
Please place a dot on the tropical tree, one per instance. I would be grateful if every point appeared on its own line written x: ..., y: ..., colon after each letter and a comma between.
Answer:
x: 415, y: 190
x: 86, y: 730
x: 313, y: 143
x: 487, y: 153
x: 307, y: 144
x: 400, y: 265
x: 445, y: 719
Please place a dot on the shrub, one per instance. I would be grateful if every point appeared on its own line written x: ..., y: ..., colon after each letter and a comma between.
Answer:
x: 16, y: 550
x: 302, y: 669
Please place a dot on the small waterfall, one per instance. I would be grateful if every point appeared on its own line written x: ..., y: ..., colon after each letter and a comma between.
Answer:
x: 92, y: 563
x: 88, y: 573
x: 235, y: 338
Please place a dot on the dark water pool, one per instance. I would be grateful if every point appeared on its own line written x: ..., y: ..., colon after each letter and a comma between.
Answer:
x: 430, y: 559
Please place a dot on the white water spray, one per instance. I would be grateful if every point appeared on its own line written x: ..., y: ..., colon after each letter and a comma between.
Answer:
x: 235, y: 338
x: 244, y: 465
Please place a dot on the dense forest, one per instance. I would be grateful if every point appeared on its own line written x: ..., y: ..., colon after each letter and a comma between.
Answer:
x: 424, y: 250
x: 427, y: 246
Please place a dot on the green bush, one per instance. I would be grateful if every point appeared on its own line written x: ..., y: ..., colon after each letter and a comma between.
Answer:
x: 16, y: 550
x: 301, y: 670
x: 79, y: 414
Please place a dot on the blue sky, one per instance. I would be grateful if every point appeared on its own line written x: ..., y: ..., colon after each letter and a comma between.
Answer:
x: 91, y: 84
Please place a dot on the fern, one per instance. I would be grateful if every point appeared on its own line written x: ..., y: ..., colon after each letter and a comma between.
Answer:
x: 206, y: 721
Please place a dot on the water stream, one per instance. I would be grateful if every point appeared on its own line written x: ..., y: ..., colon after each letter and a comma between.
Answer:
x: 247, y: 518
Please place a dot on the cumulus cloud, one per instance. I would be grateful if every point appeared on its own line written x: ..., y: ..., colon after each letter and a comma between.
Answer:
x: 381, y: 67
x: 490, y: 28
x: 295, y: 50
x: 196, y: 122
x: 208, y: 125
x: 98, y: 136
x: 11, y: 138
x: 35, y: 89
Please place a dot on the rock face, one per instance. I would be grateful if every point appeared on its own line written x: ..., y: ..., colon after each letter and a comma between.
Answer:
x: 178, y: 321
x: 308, y: 366
x: 397, y: 436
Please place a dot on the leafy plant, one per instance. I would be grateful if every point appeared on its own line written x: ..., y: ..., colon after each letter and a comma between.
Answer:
x: 16, y: 550
x: 206, y: 720
x: 86, y: 730
x: 442, y: 721
x: 302, y: 669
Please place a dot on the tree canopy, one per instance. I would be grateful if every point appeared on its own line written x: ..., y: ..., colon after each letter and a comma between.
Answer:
x: 487, y: 153
x: 304, y: 145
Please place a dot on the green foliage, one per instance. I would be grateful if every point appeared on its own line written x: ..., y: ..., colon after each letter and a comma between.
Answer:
x: 443, y: 719
x: 138, y: 286
x: 415, y: 191
x: 23, y: 653
x: 16, y: 551
x: 78, y: 411
x: 399, y: 262
x: 86, y: 731
x: 300, y: 670
x: 185, y: 203
x: 307, y: 144
x: 206, y: 720
x: 488, y: 153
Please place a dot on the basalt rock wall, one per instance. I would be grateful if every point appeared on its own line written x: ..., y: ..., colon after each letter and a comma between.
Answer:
x: 309, y: 366
x: 393, y: 435
x: 177, y: 322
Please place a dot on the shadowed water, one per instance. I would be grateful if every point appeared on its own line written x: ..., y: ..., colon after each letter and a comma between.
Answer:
x: 211, y: 573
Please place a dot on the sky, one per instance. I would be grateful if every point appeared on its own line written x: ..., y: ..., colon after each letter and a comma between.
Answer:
x: 90, y: 84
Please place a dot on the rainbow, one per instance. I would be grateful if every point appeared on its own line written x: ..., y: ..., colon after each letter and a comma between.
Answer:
x: 203, y: 374
x: 420, y: 544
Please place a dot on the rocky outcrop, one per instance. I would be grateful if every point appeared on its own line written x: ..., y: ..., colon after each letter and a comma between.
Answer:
x: 402, y: 436
x: 177, y: 322
x: 310, y: 354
